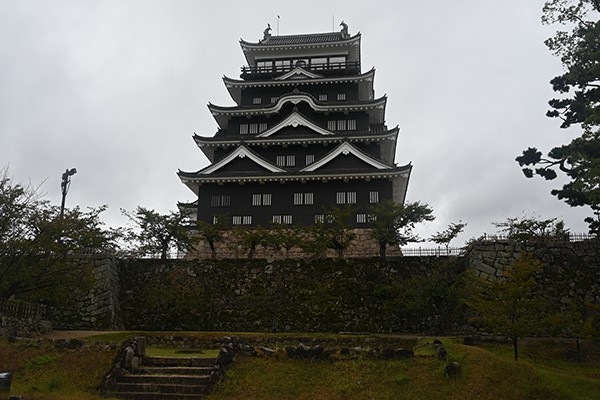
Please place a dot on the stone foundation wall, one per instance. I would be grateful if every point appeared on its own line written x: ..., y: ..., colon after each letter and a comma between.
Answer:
x: 97, y: 306
x: 362, y: 247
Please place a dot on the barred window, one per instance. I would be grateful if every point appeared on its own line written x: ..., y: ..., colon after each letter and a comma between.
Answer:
x: 374, y: 197
x: 253, y: 128
x: 274, y: 99
x: 220, y: 200
x: 372, y: 217
x: 276, y: 219
x: 298, y: 199
x: 351, y: 124
x: 291, y: 161
x: 236, y: 220
x: 261, y: 199
x: 243, y: 129
x: 361, y: 218
x: 310, y: 158
x: 319, y: 218
x: 262, y: 127
x: 322, y: 97
x: 331, y: 125
x: 287, y: 219
x: 341, y: 96
x: 215, y: 220
x: 351, y: 198
x: 341, y: 125
x: 281, y: 161
x: 340, y: 198
x: 256, y: 100
x: 308, y: 198
x: 247, y: 220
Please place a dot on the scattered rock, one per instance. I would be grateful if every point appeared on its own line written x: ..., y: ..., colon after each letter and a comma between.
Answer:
x: 453, y: 369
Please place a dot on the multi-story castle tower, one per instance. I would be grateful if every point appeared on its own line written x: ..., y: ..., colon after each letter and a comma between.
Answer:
x: 307, y: 131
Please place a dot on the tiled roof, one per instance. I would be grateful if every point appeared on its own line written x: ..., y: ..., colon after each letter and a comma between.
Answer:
x: 301, y: 39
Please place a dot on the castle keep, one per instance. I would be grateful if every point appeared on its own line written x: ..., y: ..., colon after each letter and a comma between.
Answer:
x: 306, y: 132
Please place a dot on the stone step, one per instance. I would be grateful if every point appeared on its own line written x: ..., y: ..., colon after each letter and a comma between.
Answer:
x: 155, y: 396
x: 155, y: 361
x: 143, y: 370
x: 165, y: 379
x: 161, y: 388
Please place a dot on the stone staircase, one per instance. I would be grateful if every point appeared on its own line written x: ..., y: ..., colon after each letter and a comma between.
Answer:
x: 136, y: 376
x: 162, y: 378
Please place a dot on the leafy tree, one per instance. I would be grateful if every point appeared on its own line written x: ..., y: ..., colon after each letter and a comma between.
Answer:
x: 39, y: 249
x: 333, y: 232
x: 160, y: 234
x: 287, y: 237
x: 509, y: 305
x: 212, y: 233
x: 580, y: 159
x: 250, y: 238
x: 446, y: 236
x: 392, y: 223
x: 526, y: 228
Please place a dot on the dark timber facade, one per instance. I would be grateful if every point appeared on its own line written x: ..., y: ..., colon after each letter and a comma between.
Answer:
x: 306, y: 132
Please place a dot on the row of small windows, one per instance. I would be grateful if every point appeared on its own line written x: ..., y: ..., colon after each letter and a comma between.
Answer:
x: 252, y: 128
x: 341, y: 125
x: 288, y: 219
x: 314, y: 62
x: 332, y: 125
x: 264, y: 199
x: 321, y: 97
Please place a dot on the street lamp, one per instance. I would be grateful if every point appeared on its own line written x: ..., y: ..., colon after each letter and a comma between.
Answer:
x: 65, y: 184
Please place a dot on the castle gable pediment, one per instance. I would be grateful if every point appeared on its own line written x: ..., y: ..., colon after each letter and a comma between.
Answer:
x: 248, y: 158
x: 298, y: 73
x: 346, y: 155
x: 294, y: 120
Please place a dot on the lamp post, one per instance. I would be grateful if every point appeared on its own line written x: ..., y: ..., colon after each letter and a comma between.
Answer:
x: 64, y: 186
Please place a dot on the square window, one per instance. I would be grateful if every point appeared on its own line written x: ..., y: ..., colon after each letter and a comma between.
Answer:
x: 298, y: 199
x: 308, y: 198
x: 291, y: 161
x: 274, y: 100
x: 351, y: 197
x: 247, y: 220
x: 341, y: 96
x: 287, y: 219
x: 266, y: 199
x: 374, y: 197
x: 256, y: 100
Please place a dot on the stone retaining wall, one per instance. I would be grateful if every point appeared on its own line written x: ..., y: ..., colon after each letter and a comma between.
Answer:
x: 362, y: 247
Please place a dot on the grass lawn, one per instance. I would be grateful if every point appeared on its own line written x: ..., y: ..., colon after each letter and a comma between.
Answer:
x: 547, y: 370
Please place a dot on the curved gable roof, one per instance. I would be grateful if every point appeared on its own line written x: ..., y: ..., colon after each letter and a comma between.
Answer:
x: 343, y: 150
x: 241, y: 152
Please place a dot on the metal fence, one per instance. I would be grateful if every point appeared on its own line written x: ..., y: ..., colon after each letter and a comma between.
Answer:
x: 432, y: 251
x: 21, y: 309
x: 566, y: 237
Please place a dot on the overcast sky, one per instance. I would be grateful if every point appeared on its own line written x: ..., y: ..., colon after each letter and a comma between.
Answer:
x: 117, y: 88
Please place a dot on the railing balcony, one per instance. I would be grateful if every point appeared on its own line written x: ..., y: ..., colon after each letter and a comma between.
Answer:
x: 333, y: 68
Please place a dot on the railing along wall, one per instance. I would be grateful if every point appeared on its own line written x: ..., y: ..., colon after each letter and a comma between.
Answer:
x: 432, y: 251
x: 21, y: 309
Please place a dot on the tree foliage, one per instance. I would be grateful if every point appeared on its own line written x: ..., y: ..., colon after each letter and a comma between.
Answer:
x: 526, y: 228
x: 508, y: 305
x: 332, y: 232
x: 446, y: 236
x: 212, y: 233
x: 39, y: 249
x: 157, y: 234
x: 393, y: 223
x: 579, y: 104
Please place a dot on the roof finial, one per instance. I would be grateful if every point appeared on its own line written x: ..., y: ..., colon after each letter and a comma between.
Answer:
x: 267, y: 32
x: 344, y: 26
